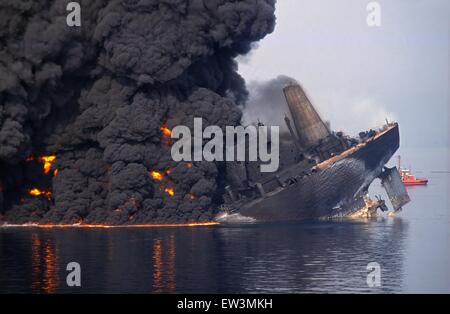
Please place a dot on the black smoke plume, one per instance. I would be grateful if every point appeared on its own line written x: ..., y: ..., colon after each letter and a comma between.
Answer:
x: 98, y: 97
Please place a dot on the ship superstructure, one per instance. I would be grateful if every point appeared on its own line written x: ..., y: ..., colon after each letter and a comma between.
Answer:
x: 322, y: 173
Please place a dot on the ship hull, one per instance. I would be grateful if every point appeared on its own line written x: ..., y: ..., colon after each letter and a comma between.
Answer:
x: 335, y: 190
x: 416, y: 182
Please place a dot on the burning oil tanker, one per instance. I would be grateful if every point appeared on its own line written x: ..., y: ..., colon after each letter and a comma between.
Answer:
x: 86, y: 115
x: 323, y: 174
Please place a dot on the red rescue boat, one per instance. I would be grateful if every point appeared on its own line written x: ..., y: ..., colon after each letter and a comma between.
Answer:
x: 408, y: 178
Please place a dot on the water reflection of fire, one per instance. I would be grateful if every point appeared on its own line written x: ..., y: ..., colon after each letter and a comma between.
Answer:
x: 164, y: 265
x: 35, y: 262
x: 171, y: 283
x: 157, y: 265
x: 50, y: 280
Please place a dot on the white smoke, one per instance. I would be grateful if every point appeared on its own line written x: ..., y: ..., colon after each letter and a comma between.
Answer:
x: 348, y: 113
x: 266, y: 103
x: 355, y: 114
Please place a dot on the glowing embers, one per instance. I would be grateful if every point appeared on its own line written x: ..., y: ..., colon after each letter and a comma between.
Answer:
x: 159, y: 176
x: 169, y: 191
x: 37, y: 192
x: 47, y: 161
x: 156, y: 175
x: 166, y: 134
x: 165, y: 130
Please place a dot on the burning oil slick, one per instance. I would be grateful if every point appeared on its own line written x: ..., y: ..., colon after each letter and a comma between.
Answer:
x: 86, y: 113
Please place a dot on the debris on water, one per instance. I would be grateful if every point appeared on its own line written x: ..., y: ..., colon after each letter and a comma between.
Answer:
x: 370, y: 208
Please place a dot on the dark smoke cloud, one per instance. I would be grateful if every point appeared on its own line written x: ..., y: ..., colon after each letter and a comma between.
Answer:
x: 96, y: 97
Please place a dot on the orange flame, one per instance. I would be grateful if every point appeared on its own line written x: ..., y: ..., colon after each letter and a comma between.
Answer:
x: 166, y: 134
x: 55, y: 172
x: 156, y: 175
x: 37, y: 192
x: 169, y: 191
x: 80, y: 225
x: 48, y: 161
x: 165, y: 131
x: 159, y: 176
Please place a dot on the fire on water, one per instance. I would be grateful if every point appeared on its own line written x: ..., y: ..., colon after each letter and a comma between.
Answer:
x: 199, y: 224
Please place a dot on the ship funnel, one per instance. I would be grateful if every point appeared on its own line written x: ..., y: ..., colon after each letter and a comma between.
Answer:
x: 310, y: 127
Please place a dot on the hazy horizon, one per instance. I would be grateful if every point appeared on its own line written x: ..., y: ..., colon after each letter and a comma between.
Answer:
x: 358, y: 75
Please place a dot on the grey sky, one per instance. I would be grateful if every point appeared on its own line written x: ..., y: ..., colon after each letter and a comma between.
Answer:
x: 357, y: 75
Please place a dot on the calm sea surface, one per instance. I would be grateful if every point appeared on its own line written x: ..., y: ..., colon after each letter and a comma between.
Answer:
x: 413, y: 250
